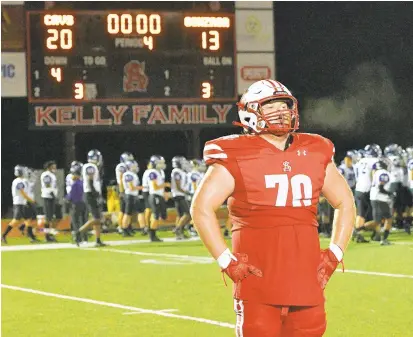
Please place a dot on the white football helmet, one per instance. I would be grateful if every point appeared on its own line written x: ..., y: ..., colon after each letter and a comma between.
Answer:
x: 277, y: 122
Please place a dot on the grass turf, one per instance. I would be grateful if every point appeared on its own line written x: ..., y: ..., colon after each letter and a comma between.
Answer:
x: 357, y: 304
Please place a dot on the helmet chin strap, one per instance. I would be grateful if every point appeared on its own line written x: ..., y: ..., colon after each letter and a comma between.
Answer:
x: 289, y: 141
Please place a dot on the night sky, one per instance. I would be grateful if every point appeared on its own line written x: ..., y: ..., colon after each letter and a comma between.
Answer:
x: 349, y: 64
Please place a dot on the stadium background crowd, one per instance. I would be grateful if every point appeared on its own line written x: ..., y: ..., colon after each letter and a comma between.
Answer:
x: 370, y: 74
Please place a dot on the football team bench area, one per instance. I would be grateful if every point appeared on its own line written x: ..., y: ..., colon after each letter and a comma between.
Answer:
x: 137, y: 288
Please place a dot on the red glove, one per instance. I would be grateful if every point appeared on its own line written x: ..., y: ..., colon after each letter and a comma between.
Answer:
x: 240, y: 269
x: 327, y: 266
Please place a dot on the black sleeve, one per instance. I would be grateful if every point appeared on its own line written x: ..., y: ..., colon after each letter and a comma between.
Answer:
x: 382, y: 190
x: 92, y: 187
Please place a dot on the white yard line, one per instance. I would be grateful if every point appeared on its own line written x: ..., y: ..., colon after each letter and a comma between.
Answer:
x: 121, y: 306
x: 204, y: 259
x: 51, y: 246
x: 402, y: 243
x: 375, y: 273
x: 140, y: 312
x: 178, y: 256
x: 396, y: 243
x: 200, y: 259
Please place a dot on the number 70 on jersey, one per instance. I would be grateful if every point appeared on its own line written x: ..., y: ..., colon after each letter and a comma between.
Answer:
x: 299, y: 183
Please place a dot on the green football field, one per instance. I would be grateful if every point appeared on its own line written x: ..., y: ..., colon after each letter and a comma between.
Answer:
x: 134, y: 288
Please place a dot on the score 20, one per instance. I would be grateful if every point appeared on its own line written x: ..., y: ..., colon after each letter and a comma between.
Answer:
x: 59, y: 38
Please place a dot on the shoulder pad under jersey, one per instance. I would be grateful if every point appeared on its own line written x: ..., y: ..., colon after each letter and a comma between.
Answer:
x: 223, y: 149
x: 320, y: 143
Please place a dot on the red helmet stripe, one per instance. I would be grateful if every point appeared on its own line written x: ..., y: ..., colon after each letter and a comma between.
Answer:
x: 279, y: 86
x: 272, y: 84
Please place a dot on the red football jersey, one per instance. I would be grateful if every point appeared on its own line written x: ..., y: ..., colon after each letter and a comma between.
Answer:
x: 273, y: 210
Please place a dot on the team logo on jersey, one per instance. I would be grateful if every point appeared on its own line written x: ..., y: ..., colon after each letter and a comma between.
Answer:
x: 134, y: 77
x: 303, y: 152
x: 287, y: 167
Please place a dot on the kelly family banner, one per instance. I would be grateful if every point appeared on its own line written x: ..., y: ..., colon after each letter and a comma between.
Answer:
x: 104, y: 116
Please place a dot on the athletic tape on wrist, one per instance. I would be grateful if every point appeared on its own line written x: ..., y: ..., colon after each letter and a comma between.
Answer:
x: 225, y: 258
x: 336, y: 251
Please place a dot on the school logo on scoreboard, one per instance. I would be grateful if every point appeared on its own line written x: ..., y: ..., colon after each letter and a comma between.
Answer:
x: 134, y: 77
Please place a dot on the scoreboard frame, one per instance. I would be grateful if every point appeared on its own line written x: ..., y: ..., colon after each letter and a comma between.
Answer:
x: 141, y: 100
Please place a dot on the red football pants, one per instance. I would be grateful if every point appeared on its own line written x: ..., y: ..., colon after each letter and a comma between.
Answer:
x: 261, y: 320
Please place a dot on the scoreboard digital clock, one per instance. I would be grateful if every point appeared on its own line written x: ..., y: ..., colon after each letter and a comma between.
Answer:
x: 130, y: 57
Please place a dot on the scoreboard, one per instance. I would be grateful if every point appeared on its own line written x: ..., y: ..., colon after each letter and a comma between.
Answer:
x: 131, y: 56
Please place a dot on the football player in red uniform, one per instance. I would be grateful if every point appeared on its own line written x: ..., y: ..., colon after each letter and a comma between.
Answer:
x: 273, y: 177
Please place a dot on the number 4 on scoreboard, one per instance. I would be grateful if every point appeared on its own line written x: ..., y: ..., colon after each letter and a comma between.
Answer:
x: 56, y: 73
x: 148, y: 41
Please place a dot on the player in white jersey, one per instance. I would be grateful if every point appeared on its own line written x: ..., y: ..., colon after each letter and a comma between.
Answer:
x: 157, y: 186
x: 410, y: 173
x: 195, y: 176
x: 347, y: 170
x: 119, y: 171
x: 49, y: 192
x: 364, y: 174
x: 133, y: 204
x: 179, y: 192
x: 20, y: 200
x: 409, y: 196
x: 397, y: 178
x: 145, y: 193
x: 93, y: 193
x: 31, y: 209
x: 381, y: 198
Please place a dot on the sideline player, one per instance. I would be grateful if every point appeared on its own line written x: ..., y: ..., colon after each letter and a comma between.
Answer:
x: 49, y: 191
x: 77, y: 205
x: 133, y: 204
x: 195, y: 175
x: 119, y: 171
x: 145, y: 196
x: 364, y: 176
x: 31, y: 207
x: 92, y: 189
x: 273, y: 178
x: 179, y: 192
x: 157, y: 186
x: 20, y: 200
x: 409, y: 183
x: 380, y: 197
x: 347, y: 170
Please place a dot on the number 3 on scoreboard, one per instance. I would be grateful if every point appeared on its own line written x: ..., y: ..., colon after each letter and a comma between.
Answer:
x: 206, y: 90
x: 298, y: 182
x: 79, y: 92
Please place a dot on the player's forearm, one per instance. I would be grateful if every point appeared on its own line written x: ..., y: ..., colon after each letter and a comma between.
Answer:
x: 208, y: 228
x: 157, y: 187
x: 179, y: 188
x: 25, y: 196
x: 343, y: 223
